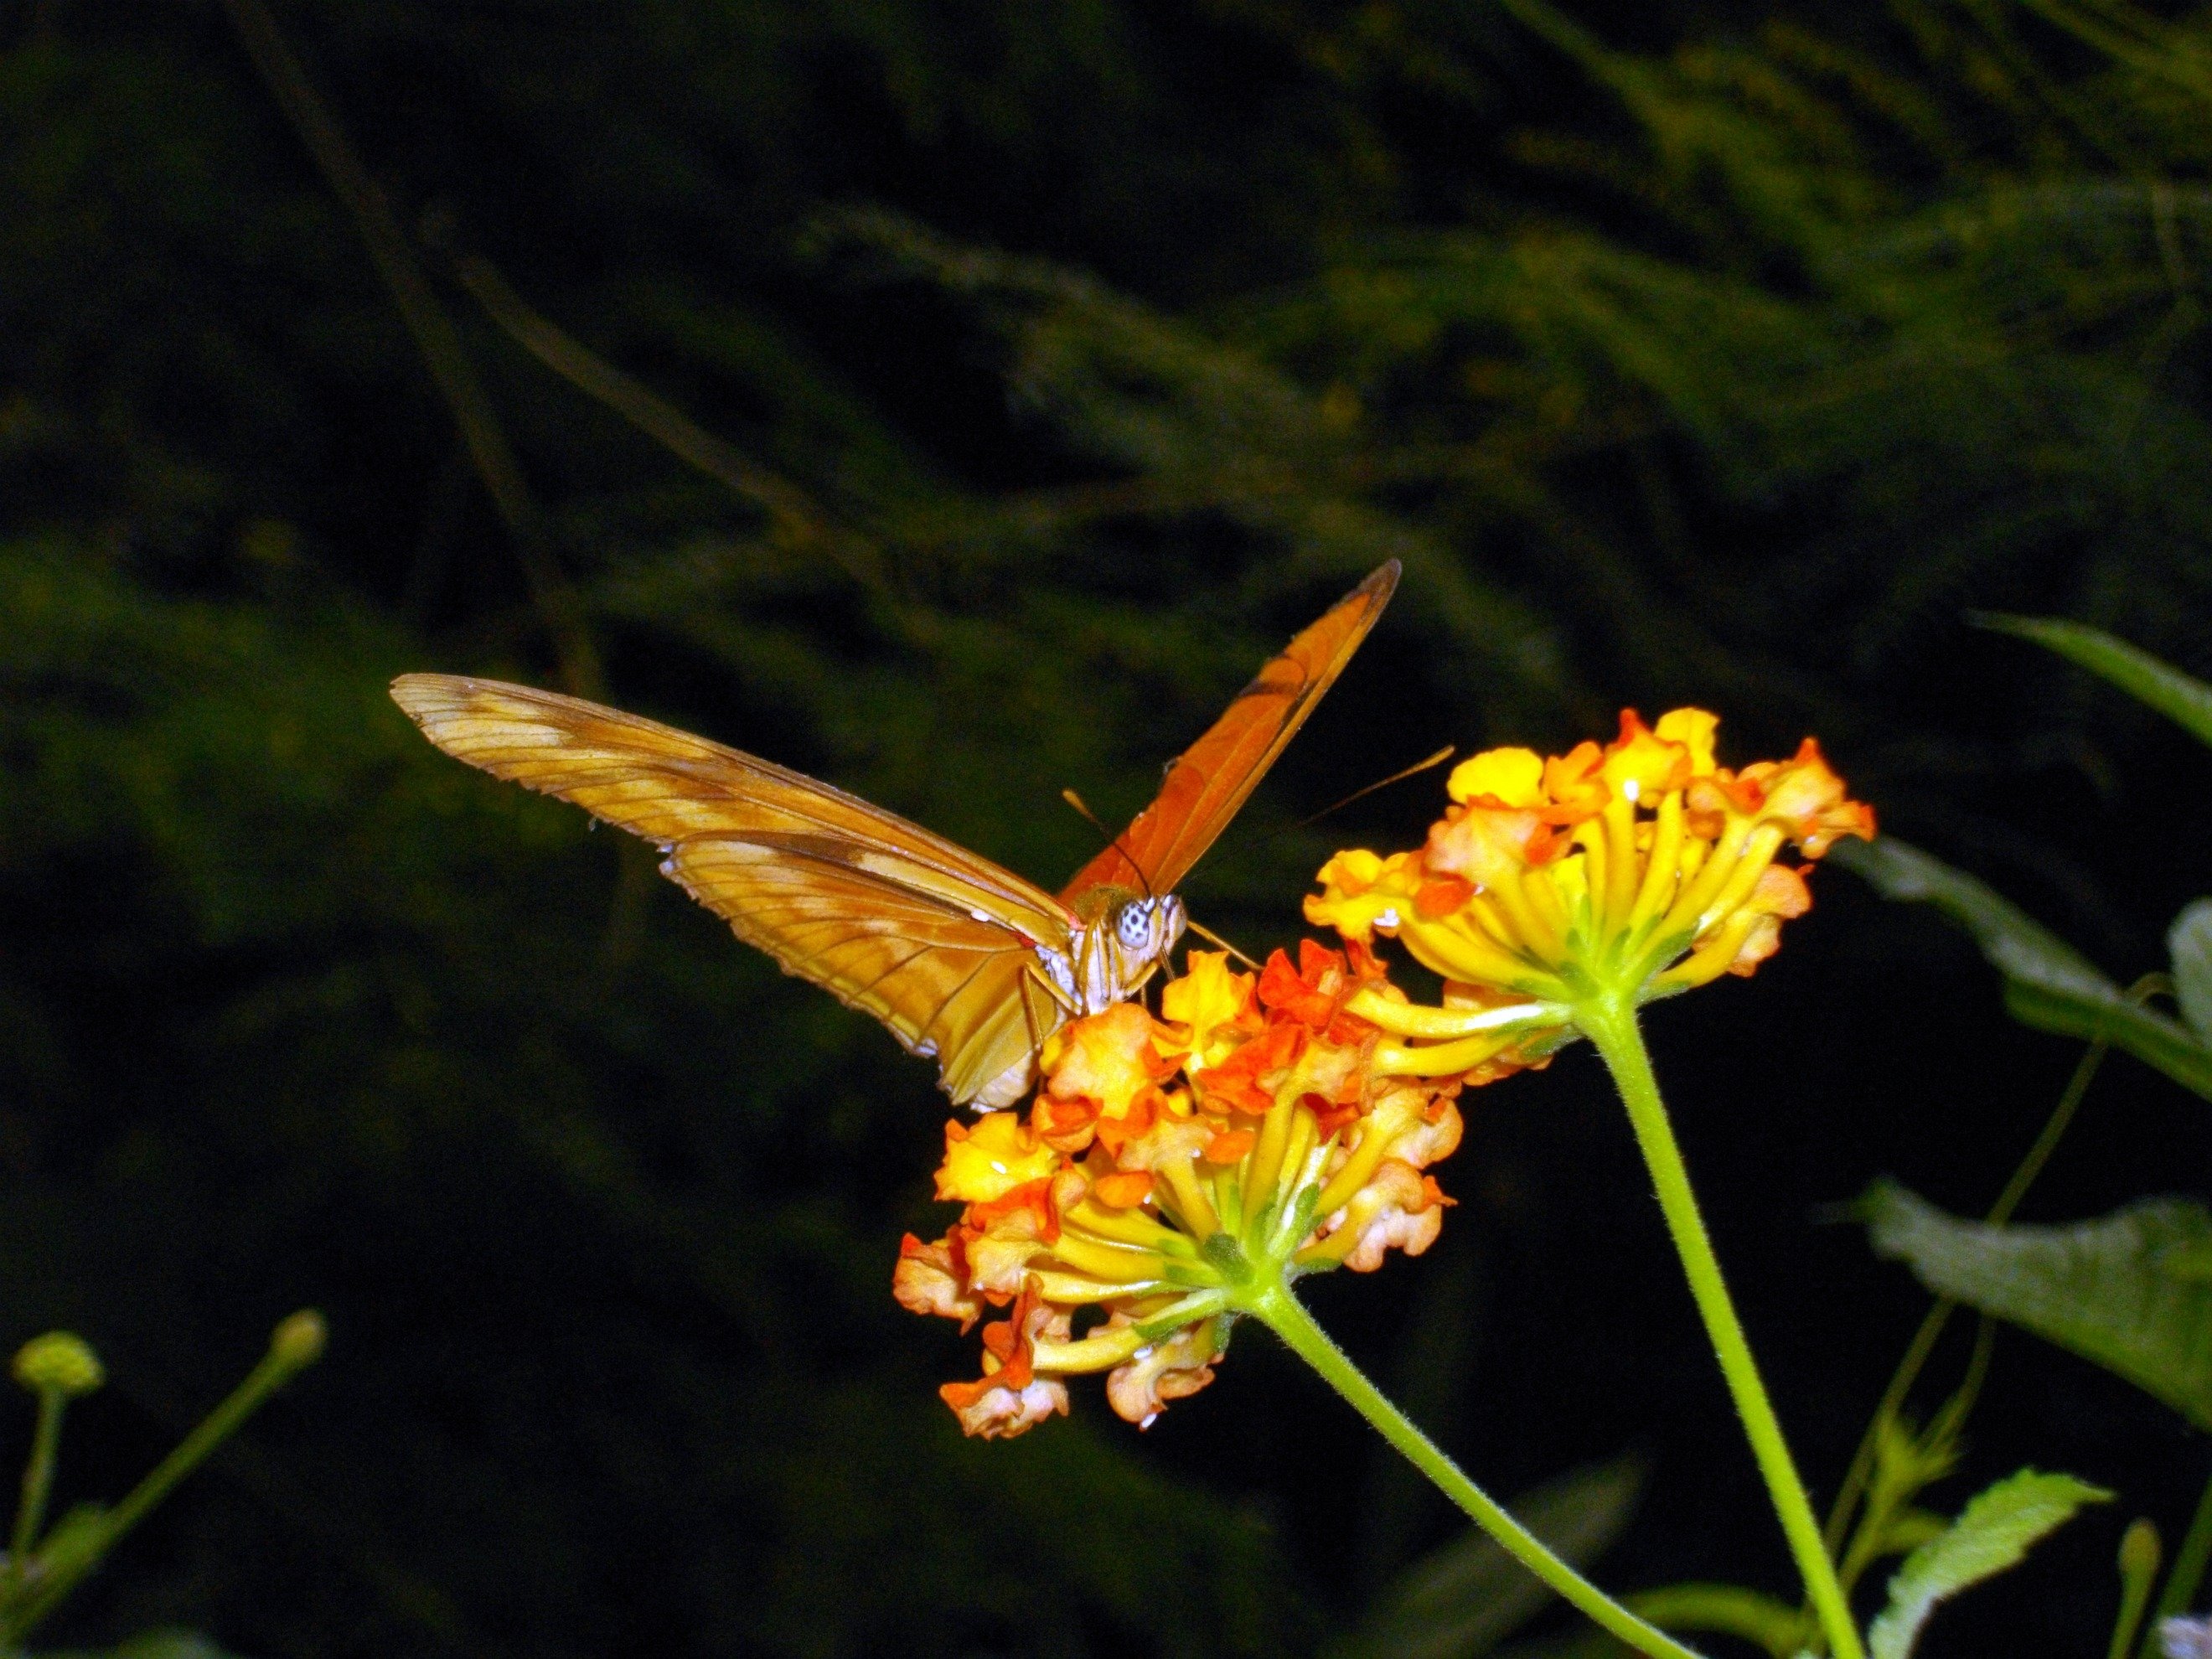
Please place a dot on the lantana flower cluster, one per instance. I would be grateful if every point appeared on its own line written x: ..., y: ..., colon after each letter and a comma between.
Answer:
x: 1166, y: 1161
x: 1624, y: 873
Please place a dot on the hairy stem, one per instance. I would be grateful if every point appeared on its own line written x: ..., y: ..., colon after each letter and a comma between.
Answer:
x: 1612, y: 1027
x: 1282, y: 1313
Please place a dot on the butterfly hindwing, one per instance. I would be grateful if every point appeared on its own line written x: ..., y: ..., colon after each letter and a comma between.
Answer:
x: 929, y: 937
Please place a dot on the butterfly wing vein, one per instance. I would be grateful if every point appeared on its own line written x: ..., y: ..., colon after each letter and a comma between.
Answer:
x: 911, y: 928
x: 1212, y: 779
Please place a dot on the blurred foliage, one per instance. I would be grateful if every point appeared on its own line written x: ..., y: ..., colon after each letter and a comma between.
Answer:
x: 2125, y: 1292
x: 2132, y: 1291
x: 46, y: 1564
x: 2048, y: 983
x: 157, y: 1645
x: 1462, y: 1599
x: 1064, y: 357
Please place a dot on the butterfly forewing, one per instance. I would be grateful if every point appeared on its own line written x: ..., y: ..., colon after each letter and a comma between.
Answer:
x: 931, y: 939
x: 1215, y: 775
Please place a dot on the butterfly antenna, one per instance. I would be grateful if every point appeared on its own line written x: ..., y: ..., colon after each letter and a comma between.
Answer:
x: 1108, y: 835
x: 1213, y: 937
x: 1419, y: 766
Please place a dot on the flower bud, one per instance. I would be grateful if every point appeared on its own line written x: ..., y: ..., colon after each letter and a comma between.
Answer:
x: 298, y: 1341
x: 60, y: 1362
x: 2139, y: 1551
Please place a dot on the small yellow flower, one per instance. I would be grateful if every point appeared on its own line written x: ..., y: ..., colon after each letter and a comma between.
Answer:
x: 1168, y: 1166
x: 989, y: 1160
x: 1108, y: 1059
x: 1216, y: 1007
x: 1171, y: 1169
x: 1626, y: 873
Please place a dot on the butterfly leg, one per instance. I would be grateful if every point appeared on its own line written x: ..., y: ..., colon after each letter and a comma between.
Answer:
x: 1043, y: 1016
x: 1136, y: 986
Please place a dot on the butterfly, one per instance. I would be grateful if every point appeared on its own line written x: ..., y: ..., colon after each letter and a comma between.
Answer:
x: 965, y: 961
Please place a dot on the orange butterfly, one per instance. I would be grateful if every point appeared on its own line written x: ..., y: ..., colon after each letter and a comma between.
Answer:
x: 964, y: 962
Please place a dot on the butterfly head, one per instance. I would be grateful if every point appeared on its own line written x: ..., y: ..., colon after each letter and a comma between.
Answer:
x: 1146, y: 928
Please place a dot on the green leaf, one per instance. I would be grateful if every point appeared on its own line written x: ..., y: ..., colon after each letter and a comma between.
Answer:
x: 1467, y: 1596
x: 2186, y: 702
x: 2048, y: 983
x: 2188, y: 941
x: 2131, y: 1292
x: 2015, y: 945
x: 1990, y: 1534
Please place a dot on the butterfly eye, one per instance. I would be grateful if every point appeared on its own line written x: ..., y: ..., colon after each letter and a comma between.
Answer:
x: 1134, y: 924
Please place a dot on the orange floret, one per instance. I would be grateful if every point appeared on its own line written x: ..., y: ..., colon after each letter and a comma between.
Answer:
x: 1256, y: 1102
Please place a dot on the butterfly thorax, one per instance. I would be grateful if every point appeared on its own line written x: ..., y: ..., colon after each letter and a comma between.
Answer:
x: 1123, y: 937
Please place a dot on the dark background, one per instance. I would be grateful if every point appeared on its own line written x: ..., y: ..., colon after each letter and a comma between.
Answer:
x: 1069, y: 355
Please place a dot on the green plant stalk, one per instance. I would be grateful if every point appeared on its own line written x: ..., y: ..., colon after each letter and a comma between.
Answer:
x: 1846, y: 1508
x: 2185, y: 1575
x: 2138, y: 1572
x: 38, y: 1479
x: 1275, y: 1306
x: 1610, y: 1024
x: 265, y: 1379
x: 1728, y: 1610
x: 1938, y: 1316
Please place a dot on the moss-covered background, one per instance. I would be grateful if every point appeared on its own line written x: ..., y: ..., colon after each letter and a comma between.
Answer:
x: 1049, y: 363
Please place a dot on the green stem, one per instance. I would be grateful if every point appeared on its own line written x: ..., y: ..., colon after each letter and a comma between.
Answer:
x: 2138, y: 1572
x: 38, y: 1479
x: 2185, y: 1575
x: 1612, y: 1027
x: 1845, y: 1509
x: 277, y: 1368
x: 1282, y: 1313
x: 1931, y: 1327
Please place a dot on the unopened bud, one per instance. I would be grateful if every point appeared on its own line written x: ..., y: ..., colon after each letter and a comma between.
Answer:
x: 60, y: 1362
x: 2139, y: 1551
x: 298, y: 1341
